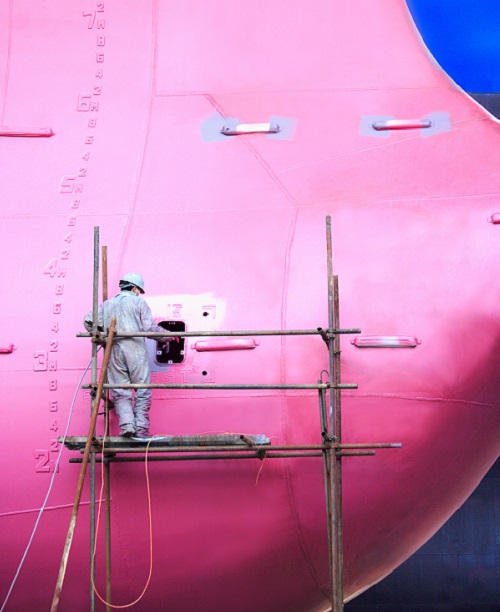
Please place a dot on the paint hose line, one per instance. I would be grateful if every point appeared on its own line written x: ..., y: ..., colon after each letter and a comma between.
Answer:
x: 148, y: 487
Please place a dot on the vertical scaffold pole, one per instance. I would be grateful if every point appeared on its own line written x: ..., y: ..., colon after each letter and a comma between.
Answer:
x: 326, y: 470
x: 337, y: 477
x: 107, y: 466
x: 92, y: 528
x: 331, y: 459
x: 331, y: 322
x: 95, y: 306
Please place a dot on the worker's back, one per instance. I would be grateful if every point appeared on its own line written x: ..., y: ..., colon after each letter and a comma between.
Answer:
x: 126, y: 308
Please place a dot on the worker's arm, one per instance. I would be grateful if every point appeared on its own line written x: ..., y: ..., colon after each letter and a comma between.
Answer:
x: 87, y: 321
x: 148, y: 324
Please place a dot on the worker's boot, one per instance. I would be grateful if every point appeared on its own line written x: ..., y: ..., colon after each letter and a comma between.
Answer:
x: 127, y: 431
x: 143, y: 435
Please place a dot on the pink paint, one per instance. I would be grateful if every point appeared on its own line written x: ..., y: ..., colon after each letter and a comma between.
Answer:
x: 234, y: 227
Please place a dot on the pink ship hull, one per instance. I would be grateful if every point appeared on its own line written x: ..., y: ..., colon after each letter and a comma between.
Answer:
x: 229, y: 234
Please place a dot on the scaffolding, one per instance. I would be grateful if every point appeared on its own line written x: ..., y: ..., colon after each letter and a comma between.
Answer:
x: 182, y: 448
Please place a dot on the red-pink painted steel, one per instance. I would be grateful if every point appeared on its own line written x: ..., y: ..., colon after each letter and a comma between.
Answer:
x: 229, y: 233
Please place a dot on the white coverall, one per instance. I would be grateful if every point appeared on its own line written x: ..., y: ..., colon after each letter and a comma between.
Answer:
x: 129, y: 362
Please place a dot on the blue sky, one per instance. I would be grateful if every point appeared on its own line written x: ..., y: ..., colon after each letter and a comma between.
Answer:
x: 464, y: 37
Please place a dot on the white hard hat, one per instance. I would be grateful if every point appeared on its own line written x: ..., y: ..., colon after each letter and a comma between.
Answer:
x: 134, y: 279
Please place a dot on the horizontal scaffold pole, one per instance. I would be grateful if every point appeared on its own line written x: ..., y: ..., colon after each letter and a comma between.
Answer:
x: 195, y: 334
x: 158, y: 445
x: 204, y: 457
x: 215, y: 450
x: 226, y: 387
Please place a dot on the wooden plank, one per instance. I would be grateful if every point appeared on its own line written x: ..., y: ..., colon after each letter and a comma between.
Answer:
x: 77, y: 442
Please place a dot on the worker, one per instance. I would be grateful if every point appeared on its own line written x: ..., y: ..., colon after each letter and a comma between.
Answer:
x: 129, y: 362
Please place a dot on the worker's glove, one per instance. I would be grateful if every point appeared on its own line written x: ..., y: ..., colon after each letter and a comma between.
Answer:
x: 100, y: 340
x: 170, y: 339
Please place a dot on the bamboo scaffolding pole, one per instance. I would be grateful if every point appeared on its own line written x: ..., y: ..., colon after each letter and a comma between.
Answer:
x: 81, y: 479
